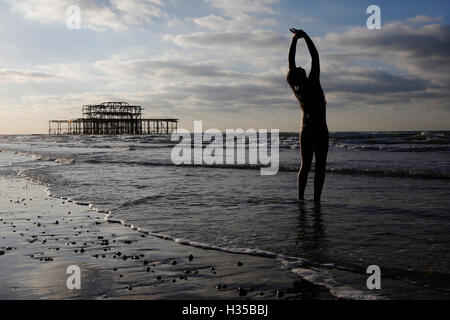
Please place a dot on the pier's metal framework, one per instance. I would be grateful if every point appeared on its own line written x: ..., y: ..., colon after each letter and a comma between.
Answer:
x: 112, y: 118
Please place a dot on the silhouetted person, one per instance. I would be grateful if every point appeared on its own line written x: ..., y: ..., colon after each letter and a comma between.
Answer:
x: 314, y: 132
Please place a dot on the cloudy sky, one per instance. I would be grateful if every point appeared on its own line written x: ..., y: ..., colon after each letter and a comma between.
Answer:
x: 225, y: 62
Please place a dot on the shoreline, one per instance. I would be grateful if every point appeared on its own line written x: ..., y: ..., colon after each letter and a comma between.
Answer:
x: 214, y: 272
x: 42, y: 236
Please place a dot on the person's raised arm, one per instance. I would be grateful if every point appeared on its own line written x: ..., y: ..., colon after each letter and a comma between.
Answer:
x: 292, y: 52
x: 315, y: 65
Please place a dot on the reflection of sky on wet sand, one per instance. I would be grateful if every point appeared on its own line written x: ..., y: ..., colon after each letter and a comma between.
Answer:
x: 49, y: 280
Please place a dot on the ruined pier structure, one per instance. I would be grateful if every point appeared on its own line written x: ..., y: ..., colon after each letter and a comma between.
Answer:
x: 111, y: 118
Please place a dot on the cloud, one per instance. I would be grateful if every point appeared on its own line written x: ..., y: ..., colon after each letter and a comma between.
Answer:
x: 207, y: 85
x: 399, y: 64
x: 422, y: 19
x: 258, y: 39
x: 24, y: 76
x: 423, y: 51
x: 244, y: 6
x: 167, y: 68
x: 308, y: 20
x: 117, y: 15
x: 372, y: 82
x: 236, y: 22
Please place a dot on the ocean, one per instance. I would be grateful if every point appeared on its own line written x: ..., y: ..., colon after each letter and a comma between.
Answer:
x: 385, y: 200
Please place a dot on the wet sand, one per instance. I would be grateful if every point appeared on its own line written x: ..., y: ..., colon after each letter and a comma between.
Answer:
x: 41, y: 236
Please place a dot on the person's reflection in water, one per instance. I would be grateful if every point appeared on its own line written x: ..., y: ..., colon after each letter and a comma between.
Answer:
x: 311, y: 231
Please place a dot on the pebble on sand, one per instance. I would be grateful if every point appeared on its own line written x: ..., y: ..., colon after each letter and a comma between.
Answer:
x: 242, y: 292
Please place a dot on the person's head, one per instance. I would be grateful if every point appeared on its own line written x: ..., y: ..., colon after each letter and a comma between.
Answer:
x: 297, y: 77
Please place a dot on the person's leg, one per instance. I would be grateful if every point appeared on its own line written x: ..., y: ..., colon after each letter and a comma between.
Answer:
x: 306, y: 151
x: 321, y: 153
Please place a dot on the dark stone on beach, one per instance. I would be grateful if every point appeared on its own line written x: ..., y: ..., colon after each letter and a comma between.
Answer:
x: 118, y: 253
x: 136, y: 257
x: 125, y: 257
x: 187, y: 271
x: 130, y: 287
x: 174, y: 280
x: 128, y: 242
x: 82, y: 250
x: 99, y: 237
x: 158, y: 278
x: 261, y: 293
x: 240, y: 264
x: 279, y: 294
x: 191, y: 257
x: 2, y: 252
x: 148, y: 269
x: 242, y: 292
x: 145, y: 262
x: 173, y: 263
